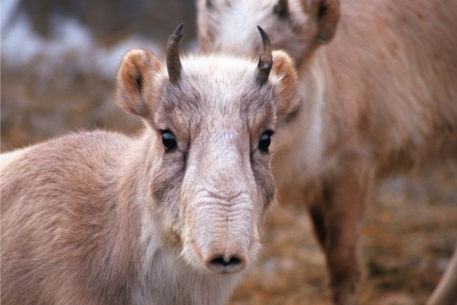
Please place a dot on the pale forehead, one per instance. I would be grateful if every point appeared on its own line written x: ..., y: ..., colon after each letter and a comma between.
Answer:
x: 216, y: 64
x: 221, y: 78
x: 220, y: 88
x: 239, y: 21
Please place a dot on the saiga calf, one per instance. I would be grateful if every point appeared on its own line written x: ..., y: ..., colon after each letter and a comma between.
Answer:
x: 380, y: 97
x: 170, y: 217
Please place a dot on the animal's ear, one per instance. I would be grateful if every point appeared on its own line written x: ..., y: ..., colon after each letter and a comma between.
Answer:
x: 135, y: 81
x: 283, y: 70
x: 326, y: 13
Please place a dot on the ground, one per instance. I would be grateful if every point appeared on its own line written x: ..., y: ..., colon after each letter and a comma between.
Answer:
x: 410, y: 226
x: 409, y: 234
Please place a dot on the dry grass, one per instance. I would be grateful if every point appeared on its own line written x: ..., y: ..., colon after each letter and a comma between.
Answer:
x: 409, y: 234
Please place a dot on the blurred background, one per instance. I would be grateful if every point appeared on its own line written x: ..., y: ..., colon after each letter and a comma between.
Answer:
x: 60, y: 58
x: 58, y: 67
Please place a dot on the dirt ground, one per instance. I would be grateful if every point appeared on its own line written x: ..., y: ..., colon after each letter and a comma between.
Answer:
x: 409, y: 233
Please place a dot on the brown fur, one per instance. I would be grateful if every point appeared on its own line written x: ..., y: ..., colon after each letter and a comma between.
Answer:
x: 380, y: 97
x: 100, y: 218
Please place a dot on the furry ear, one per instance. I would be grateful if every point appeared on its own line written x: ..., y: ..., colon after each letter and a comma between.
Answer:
x: 283, y: 69
x: 327, y: 14
x: 135, y: 81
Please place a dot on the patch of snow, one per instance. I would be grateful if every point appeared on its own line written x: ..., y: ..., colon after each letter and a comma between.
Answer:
x: 109, y: 59
x: 20, y: 44
x: 7, y: 10
x: 71, y: 45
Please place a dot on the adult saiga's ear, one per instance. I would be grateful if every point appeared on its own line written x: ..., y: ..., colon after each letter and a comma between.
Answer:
x: 327, y: 14
x: 135, y: 81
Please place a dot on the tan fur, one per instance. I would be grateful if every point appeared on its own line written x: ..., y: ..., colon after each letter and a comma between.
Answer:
x: 98, y: 218
x: 380, y: 97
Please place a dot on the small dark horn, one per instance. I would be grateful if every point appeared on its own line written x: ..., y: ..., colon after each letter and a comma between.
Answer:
x: 265, y: 60
x: 172, y: 53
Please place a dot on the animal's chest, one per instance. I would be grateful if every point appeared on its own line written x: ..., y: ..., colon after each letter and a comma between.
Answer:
x: 170, y: 280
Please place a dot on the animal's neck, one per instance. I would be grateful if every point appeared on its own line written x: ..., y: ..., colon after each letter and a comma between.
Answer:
x: 333, y: 97
x: 301, y: 138
x: 123, y: 226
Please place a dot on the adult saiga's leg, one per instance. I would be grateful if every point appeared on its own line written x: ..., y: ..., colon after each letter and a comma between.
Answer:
x: 446, y: 291
x: 337, y: 220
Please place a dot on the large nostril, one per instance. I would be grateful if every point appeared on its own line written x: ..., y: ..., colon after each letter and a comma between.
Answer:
x: 224, y: 264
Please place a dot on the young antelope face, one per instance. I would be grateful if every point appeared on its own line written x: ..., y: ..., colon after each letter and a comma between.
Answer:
x: 211, y: 119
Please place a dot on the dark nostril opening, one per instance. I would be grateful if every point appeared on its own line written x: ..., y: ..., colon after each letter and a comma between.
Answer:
x: 233, y: 261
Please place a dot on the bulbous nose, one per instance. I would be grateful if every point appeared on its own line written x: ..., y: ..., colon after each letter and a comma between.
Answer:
x: 220, y: 263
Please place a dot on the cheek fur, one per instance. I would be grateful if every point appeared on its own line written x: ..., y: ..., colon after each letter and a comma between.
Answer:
x: 168, y: 176
x: 261, y: 170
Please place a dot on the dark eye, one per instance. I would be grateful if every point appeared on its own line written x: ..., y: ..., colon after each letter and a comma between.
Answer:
x: 265, y: 140
x: 168, y: 140
x: 281, y: 9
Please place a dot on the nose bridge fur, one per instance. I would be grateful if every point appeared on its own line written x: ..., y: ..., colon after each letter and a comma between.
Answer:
x: 220, y: 186
x: 219, y: 159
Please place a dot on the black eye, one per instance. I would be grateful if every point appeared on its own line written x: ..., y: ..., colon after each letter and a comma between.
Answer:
x: 281, y: 9
x: 265, y: 140
x: 168, y: 140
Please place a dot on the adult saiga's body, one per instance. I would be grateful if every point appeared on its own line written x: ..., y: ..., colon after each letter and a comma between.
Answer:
x: 381, y: 96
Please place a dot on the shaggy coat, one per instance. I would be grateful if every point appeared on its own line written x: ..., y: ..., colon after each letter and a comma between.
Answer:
x: 380, y: 97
